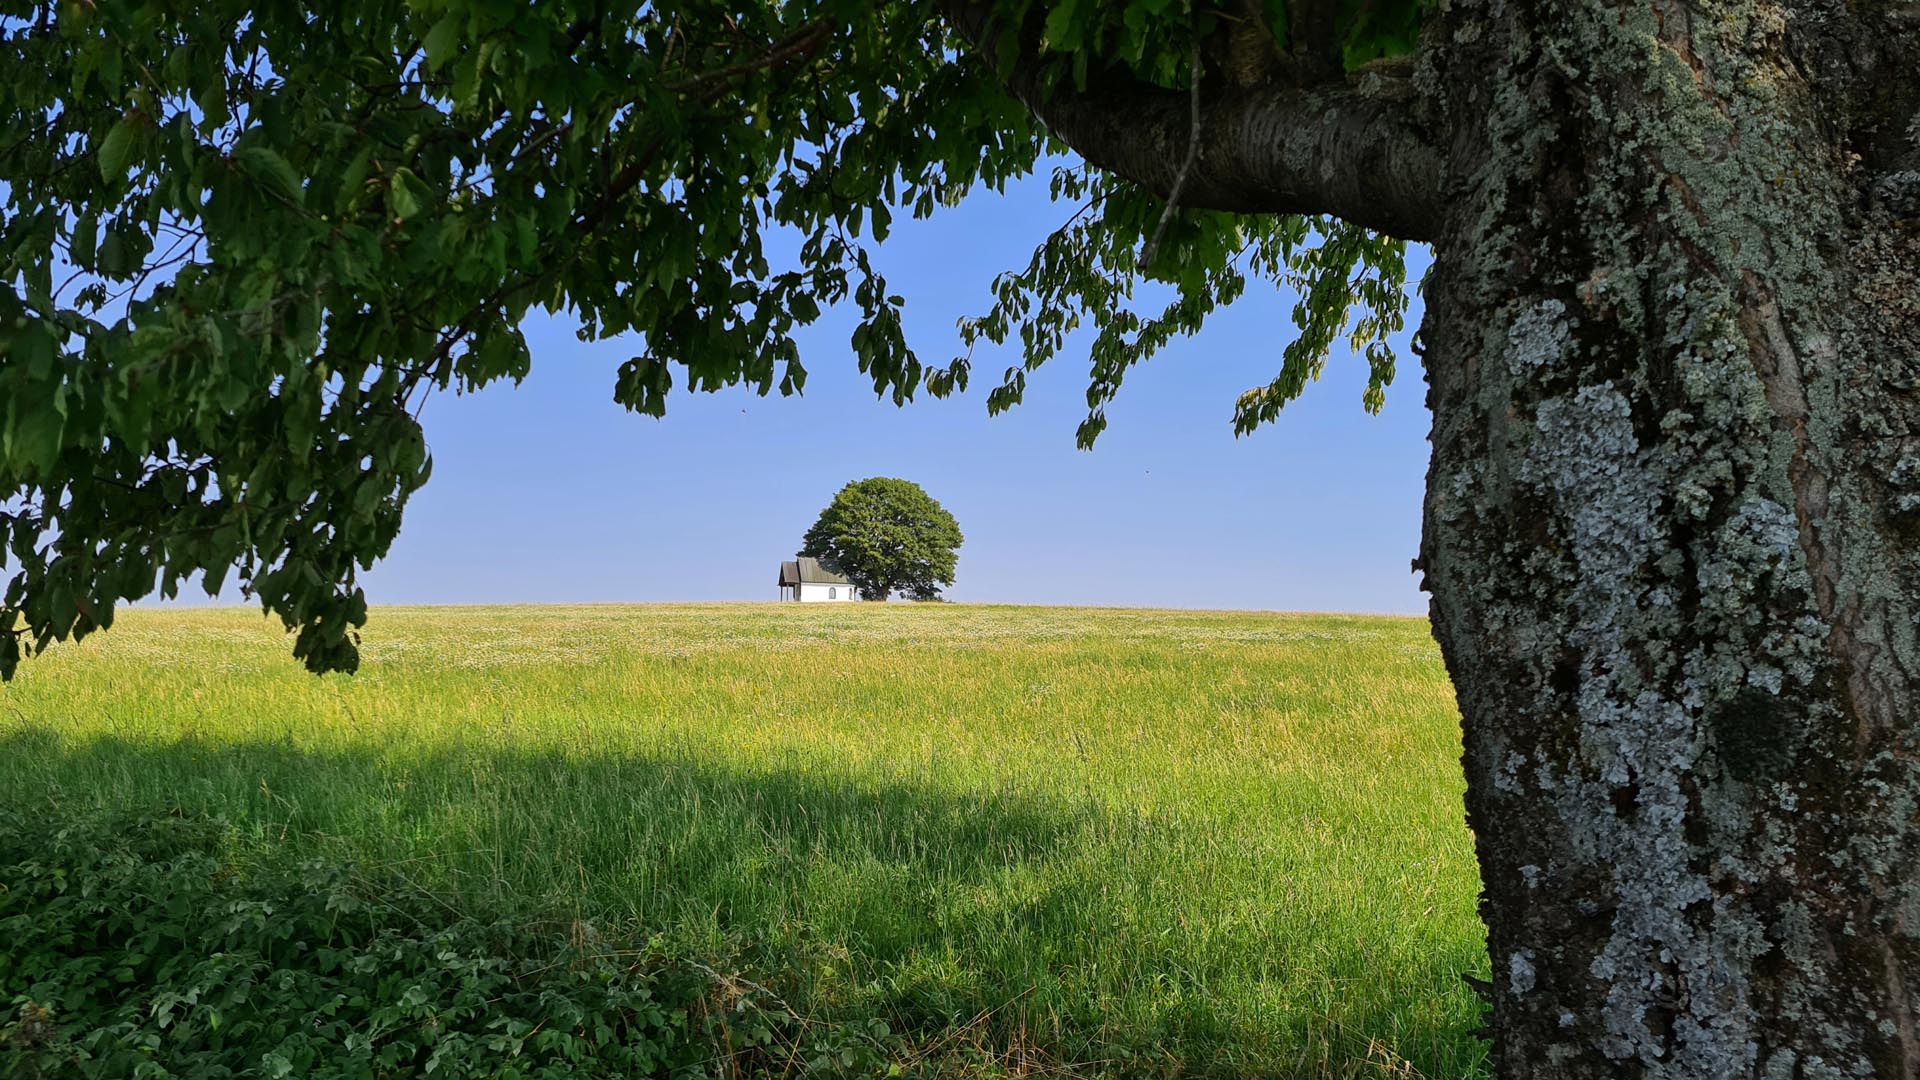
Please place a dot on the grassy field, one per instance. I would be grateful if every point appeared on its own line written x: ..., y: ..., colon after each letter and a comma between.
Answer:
x: 1131, y: 842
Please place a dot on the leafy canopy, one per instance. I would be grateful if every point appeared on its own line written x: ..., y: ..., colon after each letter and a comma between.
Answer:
x: 887, y: 536
x: 246, y: 239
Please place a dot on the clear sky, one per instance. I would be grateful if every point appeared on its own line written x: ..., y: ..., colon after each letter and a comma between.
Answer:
x: 549, y: 492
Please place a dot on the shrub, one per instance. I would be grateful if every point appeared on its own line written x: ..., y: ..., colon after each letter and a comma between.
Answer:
x: 129, y: 947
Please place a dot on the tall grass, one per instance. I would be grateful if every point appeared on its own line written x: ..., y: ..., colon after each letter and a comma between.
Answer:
x: 1132, y: 842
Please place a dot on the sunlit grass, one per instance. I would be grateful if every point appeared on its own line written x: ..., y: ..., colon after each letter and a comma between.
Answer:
x: 1142, y: 842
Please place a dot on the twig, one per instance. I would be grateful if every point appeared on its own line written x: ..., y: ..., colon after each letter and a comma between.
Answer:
x: 1152, y: 249
x: 794, y: 46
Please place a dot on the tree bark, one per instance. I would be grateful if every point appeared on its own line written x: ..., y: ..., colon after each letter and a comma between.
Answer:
x: 1673, y: 354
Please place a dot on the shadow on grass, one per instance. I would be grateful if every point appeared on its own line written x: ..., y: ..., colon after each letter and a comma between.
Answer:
x: 991, y: 923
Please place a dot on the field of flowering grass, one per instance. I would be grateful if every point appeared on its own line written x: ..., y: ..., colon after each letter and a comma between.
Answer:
x: 1060, y: 840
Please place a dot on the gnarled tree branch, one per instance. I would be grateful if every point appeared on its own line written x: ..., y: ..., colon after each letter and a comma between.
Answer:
x: 1272, y: 148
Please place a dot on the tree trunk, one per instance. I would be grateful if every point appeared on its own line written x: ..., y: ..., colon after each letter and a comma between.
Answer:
x: 1673, y: 353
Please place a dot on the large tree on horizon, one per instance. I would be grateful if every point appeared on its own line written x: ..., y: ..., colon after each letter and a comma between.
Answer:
x: 1671, y: 343
x: 887, y: 536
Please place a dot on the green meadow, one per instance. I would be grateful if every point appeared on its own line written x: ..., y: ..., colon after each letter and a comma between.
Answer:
x: 1032, y: 840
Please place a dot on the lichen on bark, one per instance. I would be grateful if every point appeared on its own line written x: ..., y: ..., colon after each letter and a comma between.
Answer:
x: 1664, y: 539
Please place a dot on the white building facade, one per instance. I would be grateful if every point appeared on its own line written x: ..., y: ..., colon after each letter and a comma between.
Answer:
x: 806, y: 581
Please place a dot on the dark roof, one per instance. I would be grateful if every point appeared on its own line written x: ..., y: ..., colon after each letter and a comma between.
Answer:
x: 804, y: 570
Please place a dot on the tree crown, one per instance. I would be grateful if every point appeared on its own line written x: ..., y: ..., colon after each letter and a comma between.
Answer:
x: 246, y: 240
x: 887, y: 535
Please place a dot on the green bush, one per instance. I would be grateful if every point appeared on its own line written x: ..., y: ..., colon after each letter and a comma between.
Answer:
x: 129, y: 947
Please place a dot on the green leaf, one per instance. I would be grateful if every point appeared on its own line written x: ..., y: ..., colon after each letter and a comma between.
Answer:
x: 33, y: 349
x: 271, y: 171
x: 403, y: 201
x: 353, y: 178
x: 526, y: 236
x: 33, y: 439
x: 84, y: 238
x: 112, y: 254
x: 1062, y: 32
x: 118, y: 146
x: 441, y: 41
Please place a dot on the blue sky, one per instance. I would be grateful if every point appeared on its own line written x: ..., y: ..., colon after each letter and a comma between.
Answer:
x: 549, y: 492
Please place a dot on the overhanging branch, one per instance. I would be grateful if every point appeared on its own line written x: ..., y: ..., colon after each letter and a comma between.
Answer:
x: 1268, y: 149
